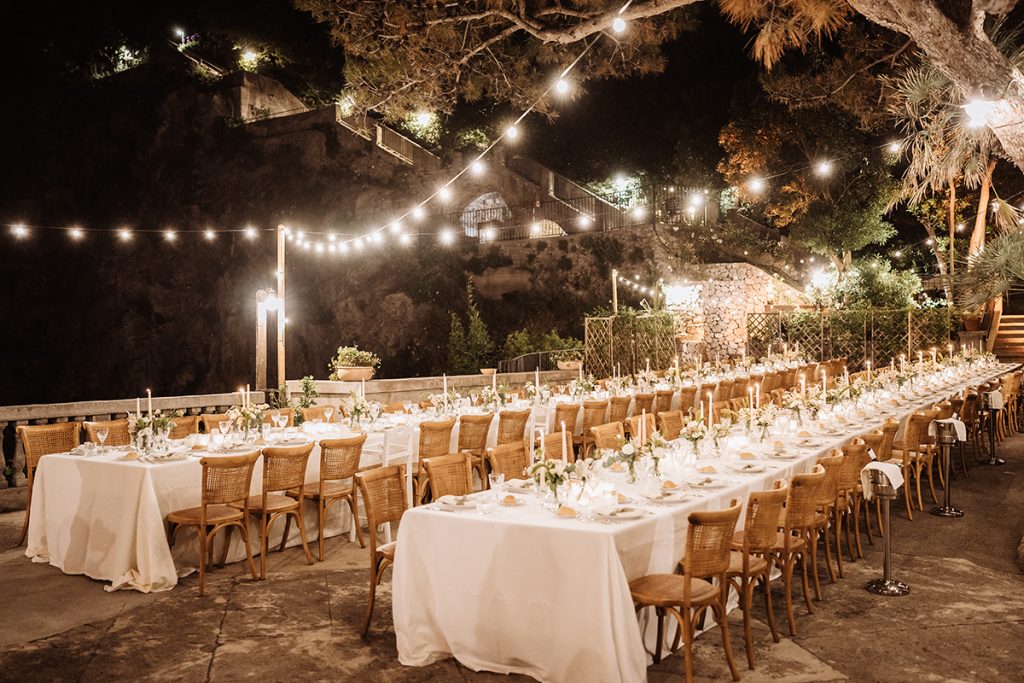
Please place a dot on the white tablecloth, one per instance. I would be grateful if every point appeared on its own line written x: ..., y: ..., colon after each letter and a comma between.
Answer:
x: 522, y: 591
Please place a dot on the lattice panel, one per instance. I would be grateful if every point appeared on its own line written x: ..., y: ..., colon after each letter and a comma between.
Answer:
x: 762, y: 329
x: 597, y: 346
x: 847, y: 336
x: 807, y: 329
x: 928, y: 328
x: 889, y: 332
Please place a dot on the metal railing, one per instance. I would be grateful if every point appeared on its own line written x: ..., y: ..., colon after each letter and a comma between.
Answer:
x: 537, y: 360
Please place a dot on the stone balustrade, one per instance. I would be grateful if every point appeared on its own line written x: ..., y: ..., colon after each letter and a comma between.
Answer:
x: 80, y: 411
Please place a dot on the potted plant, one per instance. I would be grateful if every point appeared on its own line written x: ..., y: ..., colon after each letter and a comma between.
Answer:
x: 569, y: 359
x: 351, y: 364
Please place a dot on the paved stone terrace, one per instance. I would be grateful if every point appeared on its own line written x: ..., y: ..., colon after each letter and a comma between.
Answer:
x: 963, y: 621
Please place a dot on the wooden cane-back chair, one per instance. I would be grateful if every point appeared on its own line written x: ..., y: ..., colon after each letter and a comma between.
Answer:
x: 40, y: 440
x: 608, y: 436
x: 567, y: 414
x: 688, y: 595
x: 618, y: 408
x: 117, y: 432
x: 751, y: 560
x: 799, y: 532
x: 284, y: 471
x: 670, y: 423
x: 913, y: 454
x: 512, y: 425
x: 552, y: 446
x: 663, y: 400
x: 855, y: 457
x: 339, y: 462
x: 510, y: 459
x: 594, y: 413
x: 828, y: 493
x: 643, y: 403
x: 184, y: 425
x: 686, y: 398
x: 723, y: 390
x: 435, y: 439
x: 633, y: 425
x: 449, y: 475
x: 224, y: 506
x: 210, y: 421
x: 383, y: 492
x: 473, y: 430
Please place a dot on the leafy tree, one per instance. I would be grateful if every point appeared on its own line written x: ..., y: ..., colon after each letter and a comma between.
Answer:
x: 470, y: 347
x: 401, y: 57
x: 872, y: 283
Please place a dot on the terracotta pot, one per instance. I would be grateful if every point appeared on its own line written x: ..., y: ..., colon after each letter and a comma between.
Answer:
x: 487, y: 372
x: 570, y: 364
x: 973, y: 323
x: 354, y: 374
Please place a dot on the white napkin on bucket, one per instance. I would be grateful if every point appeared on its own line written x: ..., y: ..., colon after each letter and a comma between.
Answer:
x: 891, y: 470
x: 961, y: 428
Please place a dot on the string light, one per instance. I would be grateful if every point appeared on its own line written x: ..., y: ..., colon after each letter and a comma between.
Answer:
x: 446, y: 236
x: 619, y: 25
x: 477, y: 167
x: 250, y: 233
x: 640, y: 288
x: 124, y: 234
x: 445, y: 193
x: 584, y: 222
x: 823, y: 168
x: 512, y: 132
x: 210, y: 235
x: 424, y: 118
x: 894, y: 147
x: 396, y: 227
x: 404, y: 239
x: 170, y: 235
x: 75, y: 233
x: 561, y: 86
x: 19, y: 231
x: 418, y: 213
x: 638, y: 213
x: 756, y: 185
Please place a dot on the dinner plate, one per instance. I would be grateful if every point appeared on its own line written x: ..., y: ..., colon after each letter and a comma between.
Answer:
x: 621, y: 513
x: 782, y: 455
x: 810, y: 443
x: 293, y: 442
x: 749, y: 468
x: 456, y: 503
x: 671, y: 496
x: 518, y: 501
x: 707, y: 483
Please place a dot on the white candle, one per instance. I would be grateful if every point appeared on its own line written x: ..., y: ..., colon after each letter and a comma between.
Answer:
x: 248, y: 396
x: 903, y: 363
x: 846, y: 375
x: 565, y: 451
x: 785, y: 348
x: 362, y: 388
x: 138, y: 407
x: 920, y: 357
x: 769, y: 348
x: 149, y: 401
x: 710, y: 408
x: 868, y: 364
x: 950, y: 350
x: 803, y: 385
x: 824, y: 381
x: 933, y: 354
x: 241, y: 396
x: 494, y: 383
x: 648, y: 365
x: 744, y: 351
x: 536, y: 380
x: 757, y: 395
x: 750, y: 396
x: 642, y: 428
x: 444, y: 378
x: 581, y: 372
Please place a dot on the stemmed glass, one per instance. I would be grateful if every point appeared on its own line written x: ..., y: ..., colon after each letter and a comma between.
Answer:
x: 374, y: 411
x: 408, y: 407
x: 101, y: 435
x: 328, y: 414
x: 224, y: 427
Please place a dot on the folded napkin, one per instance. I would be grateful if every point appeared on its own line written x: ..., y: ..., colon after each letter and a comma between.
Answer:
x: 891, y: 470
x: 995, y: 399
x: 961, y: 429
x: 130, y: 455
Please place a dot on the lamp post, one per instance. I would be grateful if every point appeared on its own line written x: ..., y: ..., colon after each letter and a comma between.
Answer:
x: 266, y: 299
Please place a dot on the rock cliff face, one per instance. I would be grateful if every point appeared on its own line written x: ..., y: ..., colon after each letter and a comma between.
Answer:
x: 106, y: 319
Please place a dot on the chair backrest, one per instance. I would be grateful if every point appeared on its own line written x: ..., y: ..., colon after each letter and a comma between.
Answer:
x: 709, y: 540
x: 618, y: 408
x: 670, y: 422
x: 915, y: 432
x: 339, y: 458
x: 643, y: 402
x: 634, y: 424
x: 567, y: 413
x: 760, y: 527
x: 801, y: 502
x: 184, y: 425
x: 855, y: 457
x: 436, y: 438
x: 209, y: 421
x: 117, y: 432
x: 510, y: 459
x: 383, y: 492
x: 317, y: 413
x: 969, y: 411
x: 473, y: 431
x: 594, y: 413
x: 686, y: 396
x: 609, y: 435
x: 552, y: 443
x: 717, y: 409
x: 889, y: 429
x: 227, y: 479
x: 829, y: 488
x: 663, y: 400
x: 450, y: 475
x: 285, y: 467
x: 723, y: 391
x: 512, y: 425
x: 40, y: 440
x: 287, y: 412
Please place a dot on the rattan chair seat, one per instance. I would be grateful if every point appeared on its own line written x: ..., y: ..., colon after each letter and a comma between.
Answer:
x: 331, y: 489
x: 757, y: 564
x: 666, y: 590
x: 215, y: 514
x: 795, y: 543
x: 276, y: 502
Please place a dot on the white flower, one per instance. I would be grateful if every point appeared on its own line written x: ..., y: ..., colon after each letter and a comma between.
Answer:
x: 628, y: 449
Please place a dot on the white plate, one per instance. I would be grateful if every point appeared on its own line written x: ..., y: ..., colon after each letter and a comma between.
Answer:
x: 783, y: 456
x: 456, y: 503
x: 621, y: 514
x: 707, y: 483
x: 519, y: 501
x: 670, y: 496
x: 292, y: 442
x: 749, y: 468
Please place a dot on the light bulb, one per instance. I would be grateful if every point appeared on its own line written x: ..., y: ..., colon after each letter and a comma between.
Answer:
x: 396, y: 227
x: 170, y: 235
x: 584, y: 222
x: 417, y: 213
x: 477, y: 167
x: 210, y: 235
x: 561, y: 86
x: 124, y: 234
x: 638, y: 213
x: 19, y: 231
x: 404, y: 239
x: 511, y: 132
x: 76, y: 233
x: 823, y: 168
x: 319, y: 248
x: 250, y: 233
x: 423, y: 118
x: 444, y: 194
x: 894, y: 147
x: 978, y: 111
x: 755, y: 185
x: 446, y: 236
x: 619, y: 25
x: 535, y: 229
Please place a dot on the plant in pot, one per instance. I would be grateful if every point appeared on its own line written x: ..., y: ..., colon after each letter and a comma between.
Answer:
x: 569, y: 359
x: 351, y: 364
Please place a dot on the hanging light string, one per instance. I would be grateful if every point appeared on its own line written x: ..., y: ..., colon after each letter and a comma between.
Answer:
x: 640, y: 288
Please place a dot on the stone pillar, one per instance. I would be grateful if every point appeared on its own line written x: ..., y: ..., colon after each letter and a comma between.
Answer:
x: 19, y: 459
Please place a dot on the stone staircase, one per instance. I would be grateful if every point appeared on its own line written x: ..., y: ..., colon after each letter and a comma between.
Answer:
x: 1009, y: 343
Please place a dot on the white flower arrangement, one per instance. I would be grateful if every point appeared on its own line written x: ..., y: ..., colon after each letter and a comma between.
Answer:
x: 495, y: 397
x: 619, y: 385
x: 550, y: 473
x: 358, y: 407
x: 247, y: 419
x: 646, y: 379
x: 441, y: 400
x: 542, y: 394
x: 582, y: 386
x: 146, y: 426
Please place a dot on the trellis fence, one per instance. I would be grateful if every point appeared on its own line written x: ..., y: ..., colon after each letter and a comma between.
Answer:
x: 878, y: 335
x: 624, y: 343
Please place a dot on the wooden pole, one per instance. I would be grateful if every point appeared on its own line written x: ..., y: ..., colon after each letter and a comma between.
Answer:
x: 281, y: 309
x: 615, y: 292
x: 261, y: 341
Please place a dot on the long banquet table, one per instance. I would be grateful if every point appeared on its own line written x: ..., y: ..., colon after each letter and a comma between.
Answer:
x: 521, y: 590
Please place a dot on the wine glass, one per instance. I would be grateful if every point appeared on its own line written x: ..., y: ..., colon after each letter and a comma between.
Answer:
x: 101, y: 435
x: 224, y: 427
x: 408, y: 406
x: 328, y: 414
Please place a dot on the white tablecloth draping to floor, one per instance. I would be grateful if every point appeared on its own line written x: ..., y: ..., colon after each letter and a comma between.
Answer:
x: 522, y: 591
x: 104, y: 517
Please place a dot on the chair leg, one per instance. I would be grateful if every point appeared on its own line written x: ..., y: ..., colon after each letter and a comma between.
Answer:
x: 227, y: 543
x: 723, y: 623
x: 846, y: 521
x: 202, y: 560
x: 931, y: 485
x: 837, y: 522
x: 787, y: 578
x: 659, y: 614
x: 828, y: 552
x: 747, y: 596
x: 248, y: 548
x: 263, y: 546
x: 300, y: 519
x: 287, y: 530
x: 806, y: 585
x: 375, y: 574
x: 321, y: 512
x: 24, y: 527
x: 353, y: 503
x: 768, y: 608
x: 687, y: 630
x: 906, y: 498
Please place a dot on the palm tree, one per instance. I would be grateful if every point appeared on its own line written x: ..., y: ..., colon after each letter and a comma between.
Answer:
x: 996, y: 270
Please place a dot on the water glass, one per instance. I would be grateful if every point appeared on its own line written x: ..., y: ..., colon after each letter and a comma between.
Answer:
x: 224, y: 426
x: 497, y: 483
x: 101, y: 434
x: 328, y: 414
x: 407, y: 405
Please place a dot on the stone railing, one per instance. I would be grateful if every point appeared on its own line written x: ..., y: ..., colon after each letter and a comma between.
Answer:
x: 418, y: 388
x: 45, y: 413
